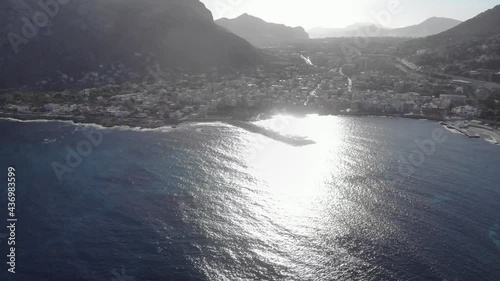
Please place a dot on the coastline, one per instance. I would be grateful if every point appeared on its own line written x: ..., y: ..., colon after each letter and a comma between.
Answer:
x: 494, y: 135
x: 153, y: 124
x: 145, y: 123
x: 475, y: 132
x: 243, y: 123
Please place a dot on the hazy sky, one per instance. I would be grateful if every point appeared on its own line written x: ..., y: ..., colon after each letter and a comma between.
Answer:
x: 337, y: 13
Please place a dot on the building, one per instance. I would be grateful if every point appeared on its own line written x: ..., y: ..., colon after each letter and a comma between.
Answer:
x: 456, y: 99
x: 466, y: 111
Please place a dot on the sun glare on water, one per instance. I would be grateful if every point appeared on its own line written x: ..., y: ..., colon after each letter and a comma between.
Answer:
x: 296, y: 178
x: 294, y: 188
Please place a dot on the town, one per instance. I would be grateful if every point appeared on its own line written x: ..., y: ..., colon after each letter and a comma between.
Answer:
x: 312, y: 81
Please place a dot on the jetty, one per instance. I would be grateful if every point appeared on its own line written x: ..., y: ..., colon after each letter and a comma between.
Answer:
x: 460, y: 130
x: 293, y: 141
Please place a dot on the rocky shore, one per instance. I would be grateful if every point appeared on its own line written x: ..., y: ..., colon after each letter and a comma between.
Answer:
x: 243, y: 123
x: 145, y: 123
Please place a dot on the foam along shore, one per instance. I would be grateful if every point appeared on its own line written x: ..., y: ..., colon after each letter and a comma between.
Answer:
x: 111, y: 122
x: 473, y: 131
x: 494, y: 135
x: 145, y: 123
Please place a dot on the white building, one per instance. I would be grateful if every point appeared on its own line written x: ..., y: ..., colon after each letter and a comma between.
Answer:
x: 466, y: 111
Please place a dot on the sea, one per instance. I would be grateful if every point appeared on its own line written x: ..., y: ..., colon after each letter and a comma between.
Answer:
x: 372, y: 199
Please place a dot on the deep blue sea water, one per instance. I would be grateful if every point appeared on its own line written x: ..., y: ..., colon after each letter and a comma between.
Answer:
x: 214, y: 202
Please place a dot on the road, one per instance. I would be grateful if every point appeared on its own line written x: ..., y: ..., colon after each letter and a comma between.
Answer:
x: 418, y: 70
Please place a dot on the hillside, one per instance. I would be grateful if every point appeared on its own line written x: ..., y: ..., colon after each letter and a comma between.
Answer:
x: 261, y: 33
x: 484, y: 25
x: 471, y: 48
x: 481, y: 27
x: 429, y: 27
x: 118, y: 38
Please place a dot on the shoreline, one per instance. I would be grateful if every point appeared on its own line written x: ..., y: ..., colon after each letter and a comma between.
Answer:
x: 143, y: 123
x: 494, y: 135
x: 243, y: 123
x: 476, y: 132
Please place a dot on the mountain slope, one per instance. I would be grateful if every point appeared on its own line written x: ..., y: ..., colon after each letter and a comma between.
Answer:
x: 483, y: 25
x: 473, y: 45
x: 93, y: 35
x: 261, y: 33
x: 429, y: 27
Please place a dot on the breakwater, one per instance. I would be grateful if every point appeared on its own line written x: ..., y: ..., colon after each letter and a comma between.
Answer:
x: 269, y: 133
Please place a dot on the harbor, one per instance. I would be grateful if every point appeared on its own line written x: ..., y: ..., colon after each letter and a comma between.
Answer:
x: 474, y: 131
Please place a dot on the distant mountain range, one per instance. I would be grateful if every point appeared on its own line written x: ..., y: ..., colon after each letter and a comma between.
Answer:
x: 429, y: 27
x: 348, y: 31
x: 50, y: 42
x: 261, y: 33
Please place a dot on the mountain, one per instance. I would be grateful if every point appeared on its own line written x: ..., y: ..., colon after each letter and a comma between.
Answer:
x: 484, y: 25
x: 482, y: 28
x: 261, y: 33
x: 348, y: 31
x: 429, y: 27
x: 472, y: 46
x: 47, y: 40
x: 358, y: 25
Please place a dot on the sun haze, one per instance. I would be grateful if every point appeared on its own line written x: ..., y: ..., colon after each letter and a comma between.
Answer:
x: 337, y: 13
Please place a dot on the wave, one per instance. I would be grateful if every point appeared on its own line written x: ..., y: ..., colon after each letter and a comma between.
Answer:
x: 32, y: 121
x: 491, y: 140
x: 79, y: 125
x: 162, y: 129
